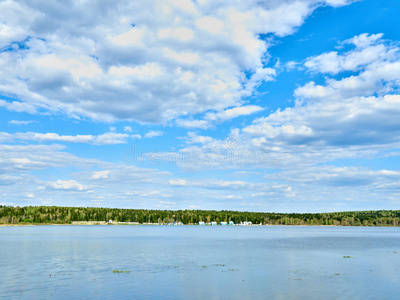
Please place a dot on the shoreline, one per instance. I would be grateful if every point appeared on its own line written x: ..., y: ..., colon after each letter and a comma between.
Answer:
x: 56, y: 215
x: 103, y: 223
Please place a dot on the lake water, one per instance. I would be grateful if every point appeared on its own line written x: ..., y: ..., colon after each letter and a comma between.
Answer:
x: 199, y: 262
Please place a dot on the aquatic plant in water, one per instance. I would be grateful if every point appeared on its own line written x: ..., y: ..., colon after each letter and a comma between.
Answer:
x: 120, y: 271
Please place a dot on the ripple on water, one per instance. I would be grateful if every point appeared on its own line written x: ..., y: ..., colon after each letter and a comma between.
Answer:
x: 279, y: 262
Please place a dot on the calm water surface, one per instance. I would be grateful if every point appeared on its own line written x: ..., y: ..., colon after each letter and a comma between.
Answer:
x: 199, y: 262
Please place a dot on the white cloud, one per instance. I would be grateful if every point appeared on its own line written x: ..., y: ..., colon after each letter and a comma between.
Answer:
x: 18, y: 106
x: 130, y: 186
x: 344, y: 112
x: 195, y: 64
x: 354, y: 116
x: 177, y: 182
x: 67, y: 185
x: 260, y: 75
x: 49, y: 137
x: 4, y: 136
x: 364, y: 40
x: 17, y: 122
x: 15, y: 24
x: 108, y: 138
x: 335, y: 3
x: 101, y: 174
x: 231, y: 197
x: 132, y: 37
x: 20, y: 159
x: 361, y: 180
x: 153, y: 133
x: 17, y: 163
x: 149, y: 62
x: 369, y: 49
x: 210, y: 24
x: 193, y: 138
x: 233, y: 113
x: 218, y: 117
x: 191, y: 123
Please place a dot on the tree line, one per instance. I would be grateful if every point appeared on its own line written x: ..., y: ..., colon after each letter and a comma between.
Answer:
x: 66, y: 215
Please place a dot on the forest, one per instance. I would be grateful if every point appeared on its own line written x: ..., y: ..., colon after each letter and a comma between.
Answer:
x: 67, y: 215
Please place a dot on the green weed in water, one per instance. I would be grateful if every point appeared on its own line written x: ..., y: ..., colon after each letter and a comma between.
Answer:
x: 120, y: 271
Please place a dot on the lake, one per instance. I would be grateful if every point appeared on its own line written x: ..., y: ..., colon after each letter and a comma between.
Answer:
x: 199, y: 262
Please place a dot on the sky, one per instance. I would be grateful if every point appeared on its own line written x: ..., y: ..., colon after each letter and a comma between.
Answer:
x: 274, y: 106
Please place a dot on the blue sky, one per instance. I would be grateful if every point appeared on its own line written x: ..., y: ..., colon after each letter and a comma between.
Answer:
x: 285, y: 106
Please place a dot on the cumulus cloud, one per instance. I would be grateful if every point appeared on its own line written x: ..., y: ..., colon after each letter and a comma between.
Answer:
x: 15, y: 24
x: 67, y: 185
x: 359, y: 121
x: 376, y: 61
x: 110, y: 138
x: 153, y: 133
x: 147, y: 61
x: 233, y: 113
x: 101, y: 174
x: 194, y: 138
x: 369, y: 49
x: 218, y: 117
x: 195, y: 65
x: 356, y: 110
x: 192, y: 123
x: 349, y: 116
x: 18, y: 106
